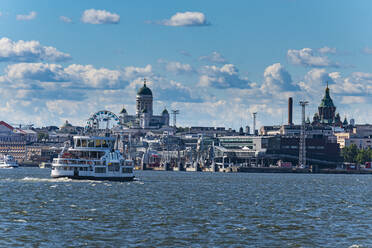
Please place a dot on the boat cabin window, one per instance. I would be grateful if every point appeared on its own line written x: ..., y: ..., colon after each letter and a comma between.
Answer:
x: 78, y: 143
x: 98, y: 143
x: 83, y: 143
x: 113, y: 167
x: 127, y: 170
x: 104, y: 143
x: 90, y: 143
x: 128, y: 163
x: 100, y: 170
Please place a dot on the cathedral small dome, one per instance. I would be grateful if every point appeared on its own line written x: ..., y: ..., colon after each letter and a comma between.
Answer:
x: 123, y: 111
x: 165, y: 112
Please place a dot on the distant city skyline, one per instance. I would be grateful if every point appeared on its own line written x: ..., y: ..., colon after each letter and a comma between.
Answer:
x: 215, y: 62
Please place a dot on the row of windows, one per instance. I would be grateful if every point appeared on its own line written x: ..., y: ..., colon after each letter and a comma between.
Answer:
x: 89, y: 162
x: 127, y: 170
x: 96, y: 170
x: 68, y: 168
x: 307, y: 147
x: 99, y: 170
x: 93, y: 143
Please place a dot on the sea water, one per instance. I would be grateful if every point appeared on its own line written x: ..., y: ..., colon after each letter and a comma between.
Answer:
x: 185, y: 209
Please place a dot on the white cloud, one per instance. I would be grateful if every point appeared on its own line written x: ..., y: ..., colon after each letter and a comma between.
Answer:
x: 357, y: 84
x: 63, y: 107
x: 215, y: 57
x: 367, y: 50
x: 35, y: 71
x: 325, y: 50
x: 353, y: 99
x: 315, y: 80
x: 93, y: 16
x: 29, y: 51
x: 132, y: 71
x: 174, y: 91
x: 306, y: 57
x: 226, y: 76
x: 186, y: 19
x: 93, y: 77
x: 177, y: 67
x: 30, y: 16
x: 277, y: 79
x: 185, y: 53
x: 65, y: 19
x: 76, y: 75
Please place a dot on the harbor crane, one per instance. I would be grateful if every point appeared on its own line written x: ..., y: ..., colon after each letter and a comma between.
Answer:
x: 175, y: 112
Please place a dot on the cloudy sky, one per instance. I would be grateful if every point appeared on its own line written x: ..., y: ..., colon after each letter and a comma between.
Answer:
x: 217, y: 62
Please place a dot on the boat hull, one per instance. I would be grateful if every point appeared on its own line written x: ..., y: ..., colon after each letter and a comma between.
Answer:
x: 118, y: 179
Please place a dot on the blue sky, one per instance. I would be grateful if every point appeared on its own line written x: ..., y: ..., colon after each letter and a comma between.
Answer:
x: 215, y: 61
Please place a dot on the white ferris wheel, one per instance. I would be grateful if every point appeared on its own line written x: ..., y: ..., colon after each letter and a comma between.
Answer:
x: 103, y: 119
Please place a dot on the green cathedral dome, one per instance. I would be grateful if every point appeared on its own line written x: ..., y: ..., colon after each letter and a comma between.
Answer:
x: 144, y: 90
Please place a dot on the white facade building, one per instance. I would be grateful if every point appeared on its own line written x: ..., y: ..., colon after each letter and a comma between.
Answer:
x: 144, y: 117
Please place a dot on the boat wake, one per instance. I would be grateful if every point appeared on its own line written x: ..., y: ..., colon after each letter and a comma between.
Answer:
x: 58, y: 180
x: 52, y: 180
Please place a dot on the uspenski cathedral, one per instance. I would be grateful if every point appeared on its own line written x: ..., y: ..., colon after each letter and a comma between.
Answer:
x: 144, y: 117
x: 326, y: 114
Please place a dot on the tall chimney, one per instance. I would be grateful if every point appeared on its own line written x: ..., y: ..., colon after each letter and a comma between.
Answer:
x: 290, y: 110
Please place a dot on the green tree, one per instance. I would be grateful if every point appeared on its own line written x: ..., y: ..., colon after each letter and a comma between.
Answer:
x: 41, y: 136
x: 363, y: 156
x: 350, y: 153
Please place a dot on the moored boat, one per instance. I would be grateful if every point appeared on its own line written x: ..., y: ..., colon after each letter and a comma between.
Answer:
x: 8, y: 162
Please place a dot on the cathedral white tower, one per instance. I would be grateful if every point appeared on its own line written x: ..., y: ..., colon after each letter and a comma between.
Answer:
x: 144, y: 100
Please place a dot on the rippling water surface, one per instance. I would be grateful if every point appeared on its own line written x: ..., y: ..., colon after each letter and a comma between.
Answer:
x: 186, y: 209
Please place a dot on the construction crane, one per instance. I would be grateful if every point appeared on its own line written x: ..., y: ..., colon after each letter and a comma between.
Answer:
x: 175, y: 112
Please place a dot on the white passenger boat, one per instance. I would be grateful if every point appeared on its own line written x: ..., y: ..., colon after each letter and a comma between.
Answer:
x: 94, y: 158
x: 7, y: 162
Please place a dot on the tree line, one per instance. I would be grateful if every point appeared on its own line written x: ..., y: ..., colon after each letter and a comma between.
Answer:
x: 352, y: 154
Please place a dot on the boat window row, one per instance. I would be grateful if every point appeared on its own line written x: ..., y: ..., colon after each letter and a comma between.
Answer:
x: 127, y: 170
x: 114, y: 167
x: 98, y: 143
x: 88, y: 162
x: 100, y: 170
x: 69, y: 168
x: 96, y: 169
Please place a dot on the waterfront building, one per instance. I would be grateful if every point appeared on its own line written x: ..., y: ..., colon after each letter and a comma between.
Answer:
x: 362, y: 130
x: 12, y: 143
x: 266, y: 150
x: 360, y: 135
x: 346, y: 139
x: 5, y: 129
x: 41, y: 153
x: 144, y: 117
x: 70, y: 129
x: 29, y: 135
